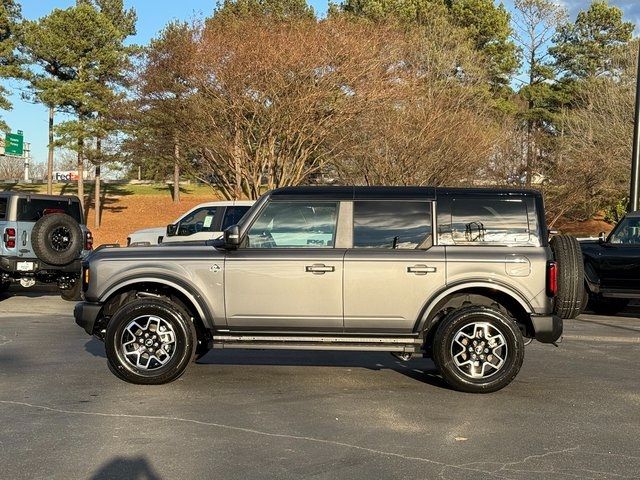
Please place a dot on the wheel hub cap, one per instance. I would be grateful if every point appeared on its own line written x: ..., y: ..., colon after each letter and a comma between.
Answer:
x: 479, y: 350
x: 148, y: 342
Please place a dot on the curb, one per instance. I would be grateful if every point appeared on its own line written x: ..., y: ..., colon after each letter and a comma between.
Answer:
x: 602, y: 338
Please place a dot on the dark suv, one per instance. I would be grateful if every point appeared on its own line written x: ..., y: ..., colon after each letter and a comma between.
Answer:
x: 612, y: 266
x: 461, y: 275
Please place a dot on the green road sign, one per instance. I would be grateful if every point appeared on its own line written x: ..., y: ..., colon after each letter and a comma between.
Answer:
x: 14, y: 144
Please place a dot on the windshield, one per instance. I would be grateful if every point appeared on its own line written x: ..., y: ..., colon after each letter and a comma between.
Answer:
x: 627, y: 232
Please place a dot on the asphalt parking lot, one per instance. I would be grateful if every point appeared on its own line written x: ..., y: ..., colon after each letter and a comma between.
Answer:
x: 573, y: 411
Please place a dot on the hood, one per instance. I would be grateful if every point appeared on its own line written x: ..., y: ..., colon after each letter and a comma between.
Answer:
x: 147, y: 231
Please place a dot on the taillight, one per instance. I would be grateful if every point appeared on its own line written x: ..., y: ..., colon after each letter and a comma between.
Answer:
x: 10, y: 237
x: 552, y: 279
x: 88, y: 241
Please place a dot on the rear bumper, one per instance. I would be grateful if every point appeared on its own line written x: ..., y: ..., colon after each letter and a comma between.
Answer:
x: 10, y: 265
x: 86, y: 314
x: 547, y: 328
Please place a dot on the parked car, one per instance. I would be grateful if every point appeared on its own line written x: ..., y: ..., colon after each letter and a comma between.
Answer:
x: 44, y: 238
x: 612, y: 267
x: 460, y: 275
x: 203, y: 222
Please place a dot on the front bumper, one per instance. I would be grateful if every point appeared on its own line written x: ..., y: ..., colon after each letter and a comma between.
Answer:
x: 547, y: 328
x: 86, y: 314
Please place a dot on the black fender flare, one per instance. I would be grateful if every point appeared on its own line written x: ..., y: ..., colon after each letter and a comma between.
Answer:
x: 426, y: 319
x: 188, y: 290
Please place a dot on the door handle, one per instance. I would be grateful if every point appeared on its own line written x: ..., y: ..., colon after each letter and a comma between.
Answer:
x: 421, y: 269
x: 319, y: 268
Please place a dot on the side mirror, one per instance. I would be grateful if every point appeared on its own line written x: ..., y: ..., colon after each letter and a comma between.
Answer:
x: 602, y: 237
x: 172, y: 229
x: 232, y: 237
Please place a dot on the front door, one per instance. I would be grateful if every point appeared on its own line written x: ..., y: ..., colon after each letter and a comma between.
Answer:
x: 393, y: 267
x: 620, y: 259
x: 287, y: 274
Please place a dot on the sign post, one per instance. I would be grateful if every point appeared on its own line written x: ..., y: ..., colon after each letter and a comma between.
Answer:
x: 634, y: 191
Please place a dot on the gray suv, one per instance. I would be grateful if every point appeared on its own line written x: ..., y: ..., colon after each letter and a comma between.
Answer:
x: 44, y: 238
x: 464, y: 276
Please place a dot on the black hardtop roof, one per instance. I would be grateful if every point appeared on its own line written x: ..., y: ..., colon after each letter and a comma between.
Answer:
x: 38, y: 196
x: 390, y: 193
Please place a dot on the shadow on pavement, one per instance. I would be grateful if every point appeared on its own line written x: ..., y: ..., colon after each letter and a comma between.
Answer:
x: 122, y: 468
x: 420, y: 369
x: 95, y: 347
x: 33, y: 292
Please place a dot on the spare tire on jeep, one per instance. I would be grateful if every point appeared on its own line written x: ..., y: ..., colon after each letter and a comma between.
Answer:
x: 57, y: 239
x: 568, y: 257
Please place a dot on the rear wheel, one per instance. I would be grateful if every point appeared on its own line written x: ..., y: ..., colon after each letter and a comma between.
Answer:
x: 568, y: 256
x: 150, y: 341
x: 478, y: 349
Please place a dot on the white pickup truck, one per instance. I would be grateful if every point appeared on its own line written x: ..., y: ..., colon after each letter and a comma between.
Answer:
x: 206, y: 221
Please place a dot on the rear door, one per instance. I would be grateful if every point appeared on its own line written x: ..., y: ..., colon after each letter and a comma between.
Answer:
x: 393, y: 267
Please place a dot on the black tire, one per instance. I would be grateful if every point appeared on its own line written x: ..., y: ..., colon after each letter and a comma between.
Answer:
x: 181, y: 353
x: 607, y: 306
x: 568, y: 256
x: 444, y: 345
x: 73, y: 294
x: 4, y: 286
x: 57, y: 239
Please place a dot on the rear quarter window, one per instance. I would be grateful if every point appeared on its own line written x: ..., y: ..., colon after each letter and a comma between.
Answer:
x: 35, y: 209
x: 3, y: 207
x: 488, y: 221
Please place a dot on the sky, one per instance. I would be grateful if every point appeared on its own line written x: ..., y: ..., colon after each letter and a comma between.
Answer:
x: 32, y: 119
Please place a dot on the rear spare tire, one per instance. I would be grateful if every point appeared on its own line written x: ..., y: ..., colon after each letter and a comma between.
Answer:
x: 568, y: 257
x: 57, y: 239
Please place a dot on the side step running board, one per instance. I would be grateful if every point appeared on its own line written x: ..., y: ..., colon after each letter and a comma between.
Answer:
x: 383, y: 344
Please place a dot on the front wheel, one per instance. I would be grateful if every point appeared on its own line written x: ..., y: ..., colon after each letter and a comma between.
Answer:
x: 150, y: 341
x: 478, y: 349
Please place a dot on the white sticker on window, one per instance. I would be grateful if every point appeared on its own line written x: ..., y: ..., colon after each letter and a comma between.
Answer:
x: 207, y: 221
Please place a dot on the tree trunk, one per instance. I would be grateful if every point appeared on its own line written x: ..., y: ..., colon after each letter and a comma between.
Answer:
x: 81, y: 173
x: 50, y: 157
x: 176, y: 174
x: 96, y: 202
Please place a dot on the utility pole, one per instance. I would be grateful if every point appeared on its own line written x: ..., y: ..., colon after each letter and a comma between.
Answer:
x: 634, y: 193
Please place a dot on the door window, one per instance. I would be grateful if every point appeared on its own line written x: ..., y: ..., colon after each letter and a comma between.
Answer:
x: 627, y: 232
x: 294, y: 225
x: 200, y: 220
x: 392, y: 225
x: 233, y: 215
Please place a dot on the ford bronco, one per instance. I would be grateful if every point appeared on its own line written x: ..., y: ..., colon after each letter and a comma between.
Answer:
x: 464, y: 276
x: 44, y: 238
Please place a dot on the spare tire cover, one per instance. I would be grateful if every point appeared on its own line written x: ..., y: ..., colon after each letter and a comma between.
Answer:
x: 57, y: 239
x: 568, y: 256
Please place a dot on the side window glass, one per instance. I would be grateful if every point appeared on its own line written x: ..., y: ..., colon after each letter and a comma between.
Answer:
x: 487, y: 220
x: 233, y: 215
x: 3, y: 208
x: 392, y: 225
x: 295, y: 225
x: 200, y: 220
x: 627, y: 233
